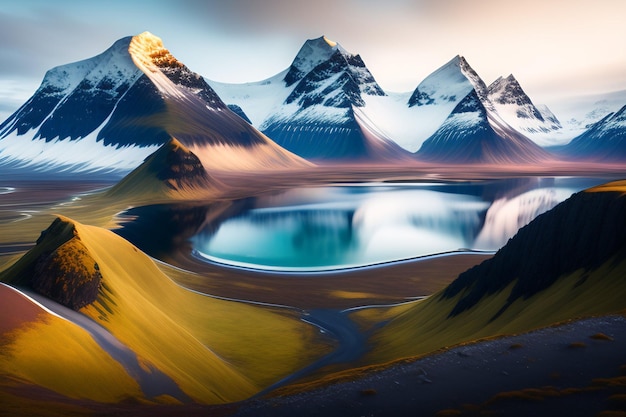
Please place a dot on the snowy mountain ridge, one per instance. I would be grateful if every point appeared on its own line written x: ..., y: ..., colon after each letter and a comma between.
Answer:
x: 108, y: 113
x: 516, y: 109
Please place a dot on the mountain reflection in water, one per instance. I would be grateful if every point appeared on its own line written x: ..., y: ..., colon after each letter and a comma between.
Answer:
x: 351, y: 225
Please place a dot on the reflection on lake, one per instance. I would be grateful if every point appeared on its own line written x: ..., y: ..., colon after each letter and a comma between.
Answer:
x: 351, y: 225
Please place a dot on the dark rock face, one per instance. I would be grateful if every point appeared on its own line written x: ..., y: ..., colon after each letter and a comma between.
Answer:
x: 464, y: 137
x: 132, y: 121
x: 181, y: 167
x: 509, y: 91
x: 348, y: 84
x: 239, y: 112
x: 583, y: 232
x: 324, y: 127
x: 68, y: 275
x: 420, y: 98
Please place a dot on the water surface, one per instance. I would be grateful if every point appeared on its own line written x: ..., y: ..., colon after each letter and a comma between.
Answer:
x: 351, y: 225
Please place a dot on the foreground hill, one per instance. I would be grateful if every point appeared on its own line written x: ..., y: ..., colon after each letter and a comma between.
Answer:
x: 569, y: 262
x: 177, y: 345
x: 107, y: 113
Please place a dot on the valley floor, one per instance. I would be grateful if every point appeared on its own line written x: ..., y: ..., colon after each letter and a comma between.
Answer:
x: 577, y: 368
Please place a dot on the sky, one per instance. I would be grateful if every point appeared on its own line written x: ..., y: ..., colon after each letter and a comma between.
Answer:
x: 555, y: 48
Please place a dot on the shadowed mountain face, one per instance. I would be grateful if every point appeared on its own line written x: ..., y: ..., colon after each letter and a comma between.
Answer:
x: 172, y: 171
x: 107, y: 113
x: 583, y: 232
x: 473, y: 133
x: 604, y: 141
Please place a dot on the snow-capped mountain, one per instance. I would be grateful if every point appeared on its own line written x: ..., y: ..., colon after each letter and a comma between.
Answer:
x: 603, y: 141
x: 315, y: 108
x: 474, y: 133
x: 411, y: 118
x: 108, y: 113
x: 538, y: 123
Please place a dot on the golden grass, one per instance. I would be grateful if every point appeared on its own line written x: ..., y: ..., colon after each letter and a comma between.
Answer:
x: 425, y: 326
x: 351, y: 294
x: 58, y: 355
x: 7, y: 260
x: 616, y: 186
x: 142, y: 186
x: 206, y: 345
x: 372, y: 317
x: 217, y: 351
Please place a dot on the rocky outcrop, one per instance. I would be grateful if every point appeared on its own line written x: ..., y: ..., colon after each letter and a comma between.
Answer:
x: 68, y: 275
x: 59, y: 267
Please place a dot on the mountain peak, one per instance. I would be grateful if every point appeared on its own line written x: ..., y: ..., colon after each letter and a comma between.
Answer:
x: 148, y: 52
x: 330, y: 43
x: 449, y: 84
x: 59, y: 267
x: 172, y: 170
x: 505, y: 91
x: 311, y: 54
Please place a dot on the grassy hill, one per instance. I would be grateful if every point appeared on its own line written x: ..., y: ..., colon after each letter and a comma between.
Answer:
x: 172, y: 172
x: 215, y: 351
x: 569, y: 262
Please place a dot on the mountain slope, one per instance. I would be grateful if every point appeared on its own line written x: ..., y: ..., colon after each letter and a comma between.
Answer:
x: 200, y: 120
x: 107, y: 113
x: 515, y: 107
x: 603, y: 141
x: 474, y: 133
x: 567, y: 263
x: 39, y: 348
x: 203, y: 344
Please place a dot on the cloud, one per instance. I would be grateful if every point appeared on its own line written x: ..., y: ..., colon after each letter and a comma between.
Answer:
x: 401, y: 41
x: 32, y: 44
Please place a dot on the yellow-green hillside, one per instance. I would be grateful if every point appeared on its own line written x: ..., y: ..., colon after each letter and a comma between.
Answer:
x: 216, y: 351
x: 568, y: 263
x: 60, y: 356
